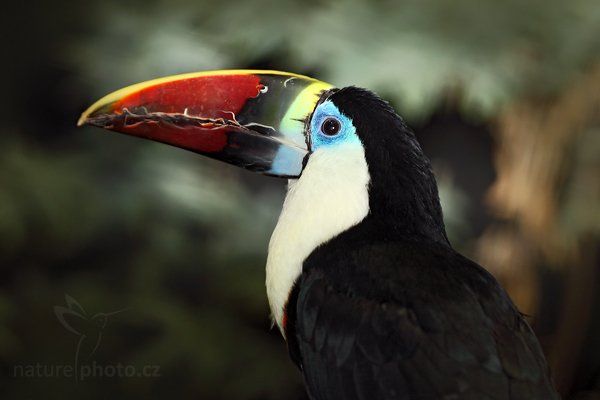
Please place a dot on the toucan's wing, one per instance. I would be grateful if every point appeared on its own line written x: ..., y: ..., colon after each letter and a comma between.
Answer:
x: 429, y: 325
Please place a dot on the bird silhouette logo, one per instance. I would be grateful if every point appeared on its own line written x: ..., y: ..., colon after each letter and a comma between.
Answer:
x: 89, y: 328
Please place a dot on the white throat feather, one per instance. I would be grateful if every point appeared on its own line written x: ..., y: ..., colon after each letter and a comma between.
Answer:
x: 330, y: 197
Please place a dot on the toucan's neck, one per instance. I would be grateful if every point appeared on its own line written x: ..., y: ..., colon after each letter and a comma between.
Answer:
x: 404, y: 200
x: 403, y: 196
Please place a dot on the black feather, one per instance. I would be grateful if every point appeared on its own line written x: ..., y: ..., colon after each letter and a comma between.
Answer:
x: 388, y: 310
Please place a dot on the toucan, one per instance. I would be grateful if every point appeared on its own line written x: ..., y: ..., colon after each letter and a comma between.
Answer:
x: 361, y: 279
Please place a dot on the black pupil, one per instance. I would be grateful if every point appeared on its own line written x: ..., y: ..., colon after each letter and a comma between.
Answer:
x: 331, y: 126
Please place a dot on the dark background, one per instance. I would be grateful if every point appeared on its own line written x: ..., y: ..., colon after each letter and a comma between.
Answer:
x: 157, y: 255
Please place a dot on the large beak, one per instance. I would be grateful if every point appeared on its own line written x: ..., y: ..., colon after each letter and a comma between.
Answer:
x: 252, y: 119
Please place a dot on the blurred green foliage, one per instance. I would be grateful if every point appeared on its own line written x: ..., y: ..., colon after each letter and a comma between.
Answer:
x: 180, y: 241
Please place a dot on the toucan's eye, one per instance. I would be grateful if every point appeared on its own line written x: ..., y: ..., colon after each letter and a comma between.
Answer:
x: 331, y: 126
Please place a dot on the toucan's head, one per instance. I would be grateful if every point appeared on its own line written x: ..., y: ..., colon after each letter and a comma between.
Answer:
x: 277, y: 124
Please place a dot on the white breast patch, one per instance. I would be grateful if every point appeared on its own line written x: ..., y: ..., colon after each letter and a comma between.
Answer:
x: 330, y: 197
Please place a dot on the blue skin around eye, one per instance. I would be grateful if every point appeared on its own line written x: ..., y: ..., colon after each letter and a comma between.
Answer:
x: 288, y: 160
x: 347, y: 133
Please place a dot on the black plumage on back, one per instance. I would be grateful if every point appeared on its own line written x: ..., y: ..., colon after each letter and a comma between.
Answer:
x: 388, y: 310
